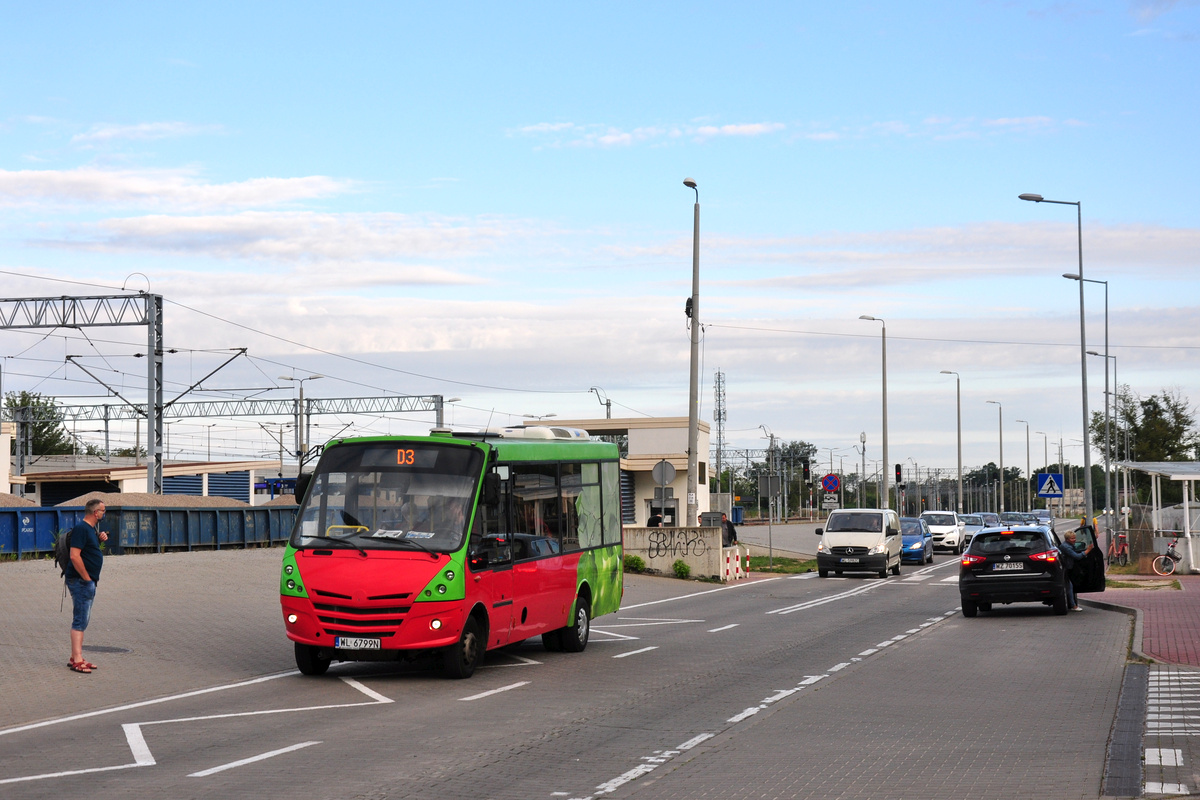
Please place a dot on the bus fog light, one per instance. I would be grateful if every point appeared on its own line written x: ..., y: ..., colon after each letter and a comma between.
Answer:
x: 436, y: 624
x: 292, y: 619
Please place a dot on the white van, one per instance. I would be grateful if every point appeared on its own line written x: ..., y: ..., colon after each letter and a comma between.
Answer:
x: 948, y: 530
x: 859, y: 540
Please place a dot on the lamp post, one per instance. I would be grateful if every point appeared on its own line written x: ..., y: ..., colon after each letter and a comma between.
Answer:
x: 1028, y: 474
x: 1107, y: 451
x: 301, y: 417
x: 1001, y: 409
x: 916, y: 485
x: 209, y: 432
x: 770, y: 496
x: 607, y: 403
x: 1087, y: 456
x: 958, y: 395
x: 862, y: 491
x: 884, y: 494
x: 1045, y: 458
x: 538, y: 417
x: 694, y: 383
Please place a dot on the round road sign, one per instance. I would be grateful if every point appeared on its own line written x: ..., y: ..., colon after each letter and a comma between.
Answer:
x: 831, y: 483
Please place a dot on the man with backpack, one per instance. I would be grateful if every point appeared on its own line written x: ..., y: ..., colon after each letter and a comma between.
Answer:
x: 82, y: 572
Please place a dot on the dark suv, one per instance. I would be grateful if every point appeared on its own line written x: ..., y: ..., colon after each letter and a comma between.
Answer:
x: 1020, y: 565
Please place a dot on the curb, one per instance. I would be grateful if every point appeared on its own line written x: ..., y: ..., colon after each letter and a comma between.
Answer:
x: 1136, y: 613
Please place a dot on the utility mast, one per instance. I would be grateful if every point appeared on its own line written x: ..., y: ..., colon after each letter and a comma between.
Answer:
x: 719, y: 419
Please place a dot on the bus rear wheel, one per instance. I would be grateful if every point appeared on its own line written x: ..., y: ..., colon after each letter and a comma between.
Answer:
x: 310, y: 661
x: 460, y: 660
x: 575, y: 638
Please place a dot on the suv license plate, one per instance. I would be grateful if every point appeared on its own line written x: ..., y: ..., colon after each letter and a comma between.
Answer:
x: 1014, y: 566
x: 356, y: 643
x: 849, y: 560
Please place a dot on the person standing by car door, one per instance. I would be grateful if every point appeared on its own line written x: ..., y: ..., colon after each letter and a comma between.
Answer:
x: 1072, y: 557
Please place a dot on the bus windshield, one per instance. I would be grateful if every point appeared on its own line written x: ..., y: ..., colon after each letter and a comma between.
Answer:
x: 393, y: 496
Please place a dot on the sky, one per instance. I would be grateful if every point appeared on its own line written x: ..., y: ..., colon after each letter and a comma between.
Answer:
x: 486, y: 202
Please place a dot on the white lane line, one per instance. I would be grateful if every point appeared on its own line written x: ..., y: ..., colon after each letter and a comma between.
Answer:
x: 725, y: 628
x: 899, y: 636
x: 749, y: 712
x: 869, y: 652
x: 651, y: 624
x: 700, y: 594
x: 251, y: 760
x: 635, y: 652
x: 1165, y: 788
x: 142, y: 703
x: 809, y: 680
x: 953, y: 579
x: 807, y: 604
x: 916, y: 578
x: 913, y: 630
x: 695, y: 740
x: 617, y: 637
x: 511, y: 686
x: 888, y: 643
x: 779, y: 695
x: 839, y: 667
x: 616, y: 783
x: 137, y: 745
x: 368, y: 692
x: 522, y: 661
x: 803, y: 577
x: 1161, y: 757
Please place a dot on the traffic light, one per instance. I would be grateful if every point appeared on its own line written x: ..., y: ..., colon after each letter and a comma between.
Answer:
x: 804, y: 466
x: 898, y: 478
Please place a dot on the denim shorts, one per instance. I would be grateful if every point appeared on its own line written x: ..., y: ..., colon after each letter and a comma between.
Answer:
x: 83, y: 593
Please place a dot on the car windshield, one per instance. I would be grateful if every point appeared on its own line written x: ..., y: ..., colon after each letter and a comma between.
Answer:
x: 1000, y: 543
x: 939, y: 519
x: 911, y: 527
x: 851, y: 522
x: 971, y: 519
x: 390, y: 496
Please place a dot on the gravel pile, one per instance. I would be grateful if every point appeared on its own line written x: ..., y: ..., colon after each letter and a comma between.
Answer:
x: 12, y: 501
x: 285, y: 500
x: 144, y: 500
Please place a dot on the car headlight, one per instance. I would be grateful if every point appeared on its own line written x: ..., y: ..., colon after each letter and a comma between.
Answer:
x: 821, y: 548
x: 877, y: 550
x: 917, y: 546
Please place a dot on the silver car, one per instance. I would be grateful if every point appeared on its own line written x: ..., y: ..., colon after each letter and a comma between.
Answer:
x: 972, y: 524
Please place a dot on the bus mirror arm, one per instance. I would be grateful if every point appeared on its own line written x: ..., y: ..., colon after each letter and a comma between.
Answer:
x: 302, y: 482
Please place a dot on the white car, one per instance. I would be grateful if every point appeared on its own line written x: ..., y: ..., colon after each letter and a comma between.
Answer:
x: 947, y: 530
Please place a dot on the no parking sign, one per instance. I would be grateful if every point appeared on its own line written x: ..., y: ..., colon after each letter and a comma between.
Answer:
x: 831, y: 483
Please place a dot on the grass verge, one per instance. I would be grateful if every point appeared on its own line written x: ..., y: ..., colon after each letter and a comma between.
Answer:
x: 788, y: 566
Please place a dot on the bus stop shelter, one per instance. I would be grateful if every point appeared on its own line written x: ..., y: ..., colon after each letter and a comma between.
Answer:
x: 1186, y: 472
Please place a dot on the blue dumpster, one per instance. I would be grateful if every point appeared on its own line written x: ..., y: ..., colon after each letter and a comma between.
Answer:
x: 739, y: 514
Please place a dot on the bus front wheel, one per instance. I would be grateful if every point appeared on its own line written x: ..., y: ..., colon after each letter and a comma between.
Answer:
x: 460, y: 660
x: 309, y: 660
x: 575, y: 638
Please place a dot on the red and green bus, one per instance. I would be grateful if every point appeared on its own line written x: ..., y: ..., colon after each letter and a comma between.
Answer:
x: 452, y: 543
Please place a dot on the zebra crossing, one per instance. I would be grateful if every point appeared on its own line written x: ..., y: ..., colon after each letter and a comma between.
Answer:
x: 1172, y: 716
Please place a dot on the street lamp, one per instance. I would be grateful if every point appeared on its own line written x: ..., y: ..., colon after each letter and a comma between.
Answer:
x: 1045, y: 458
x: 604, y: 402
x: 693, y: 311
x: 538, y: 417
x: 1087, y: 456
x: 958, y: 393
x: 210, y: 427
x: 884, y: 495
x: 1028, y: 487
x: 439, y: 409
x: 862, y: 489
x: 1001, y: 409
x: 1107, y: 453
x: 301, y: 417
x: 1107, y: 435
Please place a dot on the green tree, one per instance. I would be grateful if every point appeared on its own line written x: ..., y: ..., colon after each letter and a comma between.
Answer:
x: 1161, y: 427
x: 50, y: 436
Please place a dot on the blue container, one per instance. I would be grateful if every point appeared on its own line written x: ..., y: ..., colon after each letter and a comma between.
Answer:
x: 31, y: 531
x: 739, y: 514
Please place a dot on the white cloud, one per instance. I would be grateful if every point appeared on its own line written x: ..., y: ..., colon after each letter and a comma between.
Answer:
x: 166, y: 189
x: 144, y: 131
x: 752, y: 129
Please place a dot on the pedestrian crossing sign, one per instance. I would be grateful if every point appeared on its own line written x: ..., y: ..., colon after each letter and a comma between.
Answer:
x: 1050, y: 484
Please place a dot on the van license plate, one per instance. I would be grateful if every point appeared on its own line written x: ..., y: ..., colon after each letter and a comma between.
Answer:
x: 1012, y: 566
x: 849, y: 560
x: 356, y: 643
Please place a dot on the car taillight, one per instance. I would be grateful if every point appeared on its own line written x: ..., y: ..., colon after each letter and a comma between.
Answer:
x: 968, y: 559
x: 1050, y: 556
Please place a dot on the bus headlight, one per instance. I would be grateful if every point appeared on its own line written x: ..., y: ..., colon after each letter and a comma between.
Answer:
x: 292, y: 619
x: 435, y: 624
x: 291, y: 584
x: 441, y: 588
x: 449, y: 574
x: 289, y: 569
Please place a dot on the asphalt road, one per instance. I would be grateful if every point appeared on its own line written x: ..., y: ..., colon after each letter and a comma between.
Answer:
x: 777, y: 687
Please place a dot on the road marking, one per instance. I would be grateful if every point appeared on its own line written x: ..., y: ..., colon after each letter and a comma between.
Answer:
x: 839, y: 667
x: 749, y: 712
x: 809, y: 680
x: 251, y: 760
x: 142, y: 703
x: 701, y: 594
x: 635, y: 652
x: 368, y: 692
x: 803, y: 577
x: 695, y: 740
x: 830, y: 599
x: 495, y: 691
x: 913, y: 630
x: 1165, y: 788
x: 916, y: 578
x: 779, y: 695
x: 888, y: 643
x: 727, y: 627
x: 1162, y: 757
x: 652, y: 623
x: 870, y: 652
x: 951, y: 579
x: 899, y: 636
x: 617, y: 637
x: 523, y: 662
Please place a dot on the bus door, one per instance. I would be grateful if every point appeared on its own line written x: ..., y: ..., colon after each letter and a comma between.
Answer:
x: 490, y: 574
x: 538, y: 569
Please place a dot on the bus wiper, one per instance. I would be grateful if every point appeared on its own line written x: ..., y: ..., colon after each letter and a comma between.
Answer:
x: 357, y: 547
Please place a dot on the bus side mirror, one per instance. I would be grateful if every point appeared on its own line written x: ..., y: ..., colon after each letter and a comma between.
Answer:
x: 820, y: 531
x: 491, y: 489
x: 303, y: 480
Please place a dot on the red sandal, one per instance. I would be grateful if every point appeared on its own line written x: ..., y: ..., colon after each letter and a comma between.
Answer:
x: 81, y: 663
x: 79, y: 666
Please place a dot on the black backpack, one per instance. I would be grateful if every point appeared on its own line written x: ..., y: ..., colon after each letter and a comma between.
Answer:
x: 62, y: 552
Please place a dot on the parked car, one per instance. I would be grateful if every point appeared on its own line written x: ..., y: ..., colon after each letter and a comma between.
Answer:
x: 947, y: 530
x: 1022, y: 565
x: 916, y: 540
x: 972, y: 524
x: 990, y: 519
x: 1044, y: 516
x: 859, y: 540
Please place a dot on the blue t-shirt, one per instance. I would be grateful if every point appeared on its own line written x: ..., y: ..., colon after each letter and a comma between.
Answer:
x: 85, y: 537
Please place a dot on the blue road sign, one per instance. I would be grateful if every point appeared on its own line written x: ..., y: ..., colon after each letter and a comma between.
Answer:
x: 1050, y: 484
x: 831, y: 483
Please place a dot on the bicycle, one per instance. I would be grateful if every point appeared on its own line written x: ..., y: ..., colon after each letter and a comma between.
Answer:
x: 1118, y: 550
x: 1165, y: 564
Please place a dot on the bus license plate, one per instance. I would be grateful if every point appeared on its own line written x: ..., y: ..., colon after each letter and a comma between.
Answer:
x: 849, y: 560
x: 356, y: 643
x: 1014, y: 566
